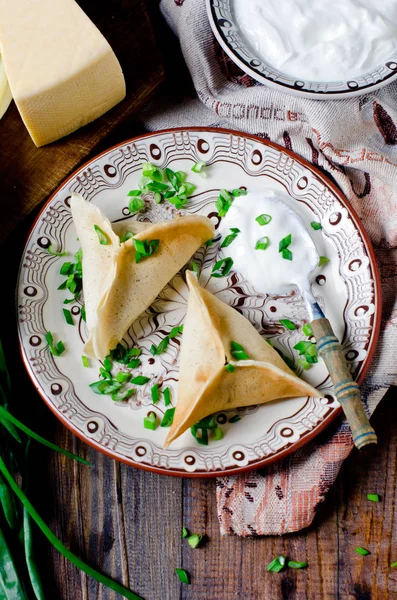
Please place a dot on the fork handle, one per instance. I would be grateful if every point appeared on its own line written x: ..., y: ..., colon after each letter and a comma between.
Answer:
x: 346, y: 390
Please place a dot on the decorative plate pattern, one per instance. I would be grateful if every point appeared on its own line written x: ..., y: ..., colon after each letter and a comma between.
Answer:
x: 228, y: 33
x: 347, y: 289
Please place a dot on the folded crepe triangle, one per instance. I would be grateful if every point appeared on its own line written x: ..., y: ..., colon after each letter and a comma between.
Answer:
x: 205, y: 386
x: 116, y: 288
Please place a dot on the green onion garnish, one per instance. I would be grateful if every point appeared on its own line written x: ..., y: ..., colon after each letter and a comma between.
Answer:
x: 304, y: 347
x: 155, y: 393
x: 163, y: 345
x: 288, y: 324
x: 394, y: 565
x: 304, y: 363
x: 183, y: 576
x: 231, y: 237
x: 150, y: 421
x: 373, y: 497
x: 194, y: 540
x: 195, y: 268
x: 126, y: 236
x: 307, y: 330
x: 140, y: 380
x: 167, y: 396
x: 294, y: 564
x: 122, y: 377
x: 316, y: 225
x: 134, y: 363
x: 185, y: 532
x: 68, y: 316
x: 153, y: 172
x: 120, y: 395
x: 236, y: 193
x: 287, y: 254
x: 168, y: 417
x: 277, y: 564
x: 285, y: 242
x: 323, y: 261
x: 145, y: 248
x: 134, y: 193
x: 102, y: 237
x: 362, y: 551
x: 85, y: 361
x: 136, y: 204
x: 222, y: 267
x: 235, y: 419
x: 217, y: 434
x: 82, y: 312
x: 55, y: 349
x: 230, y: 368
x: 238, y: 352
x: 198, y: 166
x: 50, y: 250
x: 263, y: 219
x: 263, y: 243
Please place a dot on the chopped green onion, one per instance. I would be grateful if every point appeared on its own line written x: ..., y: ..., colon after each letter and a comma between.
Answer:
x: 136, y: 205
x: 185, y: 532
x: 231, y: 237
x: 65, y: 268
x: 222, y: 267
x: 68, y: 316
x: 122, y: 377
x: 224, y: 202
x: 316, y: 225
x: 134, y: 352
x: 168, y: 417
x: 238, y: 352
x: 153, y: 349
x: 287, y: 254
x: 209, y: 243
x: 126, y: 236
x: 55, y: 349
x: 394, y: 565
x: 230, y: 368
x: 277, y: 564
x: 119, y: 395
x: 163, y: 345
x: 150, y: 421
x: 140, y: 380
x: 235, y: 419
x: 217, y: 434
x: 288, y: 324
x: 155, y: 393
x: 198, y: 166
x: 373, y: 497
x: 183, y: 576
x: 145, y: 248
x: 134, y: 363
x: 304, y: 363
x: 263, y: 219
x: 134, y: 193
x: 157, y: 197
x: 263, y: 243
x: 85, y: 361
x: 194, y: 540
x: 323, y: 261
x: 167, y: 396
x: 285, y: 242
x: 175, y: 331
x: 304, y: 347
x: 195, y: 268
x: 236, y: 193
x: 307, y: 330
x: 294, y: 564
x: 102, y: 237
x: 362, y: 551
x: 54, y: 253
x: 82, y: 312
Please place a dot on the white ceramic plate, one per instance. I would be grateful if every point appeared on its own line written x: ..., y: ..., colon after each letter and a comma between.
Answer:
x: 227, y: 31
x: 348, y: 289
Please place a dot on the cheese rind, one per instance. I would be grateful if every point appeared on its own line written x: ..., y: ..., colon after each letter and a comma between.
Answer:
x: 62, y: 72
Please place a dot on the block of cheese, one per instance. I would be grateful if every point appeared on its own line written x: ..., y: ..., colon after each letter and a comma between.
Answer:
x: 61, y: 70
x: 5, y: 92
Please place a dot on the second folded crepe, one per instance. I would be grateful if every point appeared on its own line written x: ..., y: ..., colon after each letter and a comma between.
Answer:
x: 117, y: 288
x: 216, y: 335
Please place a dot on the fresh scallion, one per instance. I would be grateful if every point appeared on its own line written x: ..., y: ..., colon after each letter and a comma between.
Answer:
x: 145, y: 248
x: 102, y: 237
x: 288, y: 324
x: 217, y: 434
x: 286, y: 254
x: 263, y: 219
x: 167, y: 396
x: 294, y: 564
x: 155, y: 392
x: 68, y: 316
x: 230, y: 368
x: 150, y: 421
x: 136, y: 204
x: 183, y: 576
x: 238, y: 352
x: 222, y: 267
x: 51, y: 250
x: 373, y: 497
x: 140, y: 380
x: 323, y: 261
x: 55, y: 349
x: 185, y: 532
x: 285, y: 242
x: 195, y: 268
x: 231, y: 237
x: 198, y: 167
x: 168, y: 417
x: 362, y: 551
x: 85, y: 361
x: 123, y: 377
x: 393, y: 565
x: 126, y: 236
x: 316, y: 226
x: 194, y: 540
x: 263, y: 243
x: 234, y: 419
x: 224, y: 202
x: 277, y: 564
x: 307, y: 330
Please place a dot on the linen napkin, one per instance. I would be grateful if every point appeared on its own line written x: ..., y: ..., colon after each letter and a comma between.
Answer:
x: 354, y: 142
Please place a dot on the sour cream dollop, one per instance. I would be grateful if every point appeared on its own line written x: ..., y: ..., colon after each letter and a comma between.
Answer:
x: 266, y: 270
x: 318, y: 40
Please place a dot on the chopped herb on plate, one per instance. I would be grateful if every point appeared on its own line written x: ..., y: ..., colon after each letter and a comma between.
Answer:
x: 150, y: 421
x: 277, y: 564
x: 263, y: 243
x: 55, y: 349
x: 168, y: 417
x: 323, y: 261
x: 316, y: 226
x: 294, y: 564
x: 373, y: 497
x: 102, y: 237
x: 222, y: 267
x: 263, y: 219
x: 194, y: 540
x: 288, y: 324
x: 183, y: 576
x: 145, y: 248
x: 362, y: 551
x: 238, y: 352
x: 231, y: 237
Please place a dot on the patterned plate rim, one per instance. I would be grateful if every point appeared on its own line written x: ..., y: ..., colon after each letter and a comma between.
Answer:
x: 306, y: 437
x: 304, y: 89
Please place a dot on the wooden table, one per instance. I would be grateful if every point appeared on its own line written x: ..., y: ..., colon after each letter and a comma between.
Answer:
x: 128, y: 523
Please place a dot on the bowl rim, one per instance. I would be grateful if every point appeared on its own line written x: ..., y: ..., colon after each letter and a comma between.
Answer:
x: 278, y: 85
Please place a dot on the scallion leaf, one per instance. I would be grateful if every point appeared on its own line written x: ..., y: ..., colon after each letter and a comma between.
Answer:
x: 362, y: 551
x: 263, y: 243
x: 126, y: 236
x: 121, y: 395
x: 140, y: 380
x: 168, y: 417
x: 263, y: 219
x: 185, y: 532
x: 307, y: 330
x: 316, y: 226
x: 238, y: 352
x: 288, y: 324
x: 194, y: 540
x: 183, y: 576
x: 285, y: 242
x: 145, y: 248
x: 231, y: 237
x: 195, y: 268
x: 150, y: 421
x: 55, y: 349
x: 222, y: 267
x: 134, y: 193
x: 373, y: 497
x: 294, y: 564
x: 323, y: 261
x: 234, y: 419
x: 68, y: 316
x: 134, y: 363
x: 82, y: 312
x: 167, y: 396
x: 198, y: 166
x: 236, y: 193
x: 277, y: 564
x: 123, y: 377
x: 85, y: 361
x: 50, y: 250
x: 393, y: 565
x: 230, y: 368
x: 286, y: 254
x: 136, y: 204
x: 155, y: 392
x: 102, y: 237
x: 217, y: 434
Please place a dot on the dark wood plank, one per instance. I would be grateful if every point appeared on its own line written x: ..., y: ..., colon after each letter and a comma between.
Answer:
x: 29, y: 174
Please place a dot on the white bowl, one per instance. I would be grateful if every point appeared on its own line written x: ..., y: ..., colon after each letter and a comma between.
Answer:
x: 228, y: 34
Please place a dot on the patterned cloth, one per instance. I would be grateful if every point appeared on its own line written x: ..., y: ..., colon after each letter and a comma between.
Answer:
x: 353, y: 141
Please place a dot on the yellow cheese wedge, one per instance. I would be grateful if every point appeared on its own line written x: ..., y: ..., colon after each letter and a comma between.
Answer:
x: 5, y: 92
x: 61, y: 70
